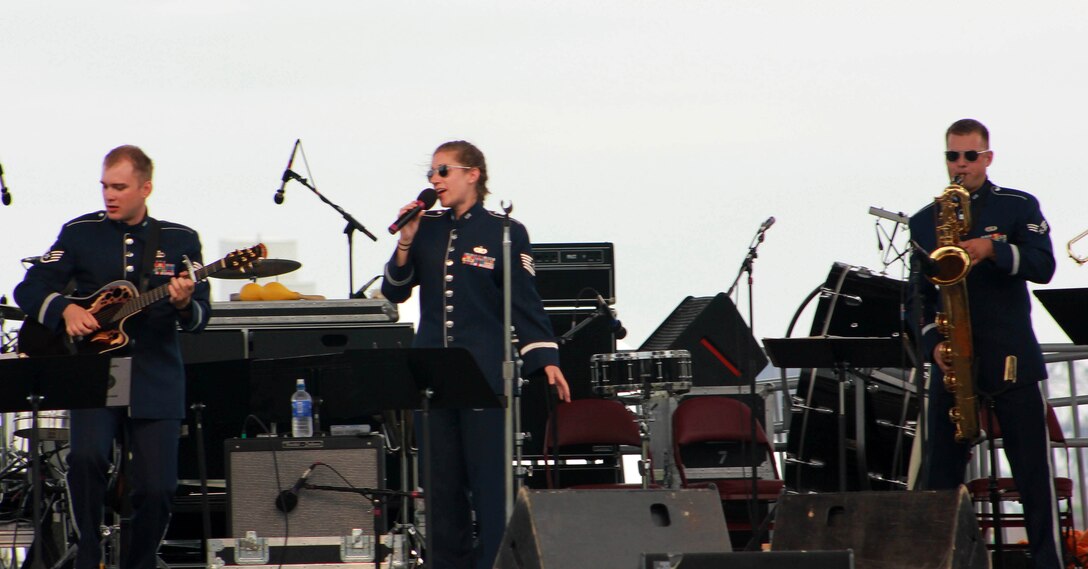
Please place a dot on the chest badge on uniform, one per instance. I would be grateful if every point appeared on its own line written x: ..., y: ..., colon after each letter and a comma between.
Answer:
x: 480, y: 250
x: 991, y: 228
x: 164, y: 269
x: 474, y: 260
x: 160, y: 254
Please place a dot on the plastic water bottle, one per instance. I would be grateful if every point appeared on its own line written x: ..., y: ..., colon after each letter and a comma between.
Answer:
x: 302, y: 411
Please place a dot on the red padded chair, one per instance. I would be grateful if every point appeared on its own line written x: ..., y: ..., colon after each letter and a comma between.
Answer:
x: 1063, y: 486
x: 590, y: 422
x: 719, y: 419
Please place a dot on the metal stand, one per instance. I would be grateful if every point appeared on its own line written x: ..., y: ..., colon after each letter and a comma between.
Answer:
x: 747, y: 267
x: 349, y: 229
x: 510, y: 374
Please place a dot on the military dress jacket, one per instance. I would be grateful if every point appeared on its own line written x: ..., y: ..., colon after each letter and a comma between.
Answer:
x: 93, y: 251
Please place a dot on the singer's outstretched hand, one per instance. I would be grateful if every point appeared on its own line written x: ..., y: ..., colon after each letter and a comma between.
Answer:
x: 555, y: 377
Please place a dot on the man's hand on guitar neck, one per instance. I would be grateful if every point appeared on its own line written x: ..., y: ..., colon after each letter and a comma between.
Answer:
x: 78, y: 321
x: 181, y: 291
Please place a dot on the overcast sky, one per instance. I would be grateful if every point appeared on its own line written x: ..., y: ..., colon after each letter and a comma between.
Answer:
x: 669, y: 128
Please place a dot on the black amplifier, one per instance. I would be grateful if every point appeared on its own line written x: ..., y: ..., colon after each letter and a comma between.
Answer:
x: 565, y: 270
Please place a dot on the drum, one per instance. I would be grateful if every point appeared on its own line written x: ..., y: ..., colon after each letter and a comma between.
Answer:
x: 628, y: 373
x: 52, y: 425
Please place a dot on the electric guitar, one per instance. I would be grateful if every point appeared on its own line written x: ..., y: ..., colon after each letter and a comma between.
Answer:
x: 115, y: 303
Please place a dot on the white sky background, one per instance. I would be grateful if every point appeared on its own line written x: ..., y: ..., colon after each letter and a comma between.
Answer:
x: 670, y: 128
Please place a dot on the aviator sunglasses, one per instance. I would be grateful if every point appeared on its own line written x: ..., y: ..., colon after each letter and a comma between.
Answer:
x: 969, y: 155
x: 443, y: 170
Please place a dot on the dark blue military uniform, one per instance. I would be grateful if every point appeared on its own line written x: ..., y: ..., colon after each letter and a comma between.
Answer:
x: 1001, y: 326
x: 458, y: 266
x: 95, y: 251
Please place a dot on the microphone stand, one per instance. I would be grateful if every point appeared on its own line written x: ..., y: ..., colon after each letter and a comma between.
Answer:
x: 918, y: 257
x: 511, y: 382
x: 349, y: 229
x: 753, y: 501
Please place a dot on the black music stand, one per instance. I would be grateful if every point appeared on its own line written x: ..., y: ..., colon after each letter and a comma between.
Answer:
x: 393, y: 379
x: 840, y: 354
x: 50, y: 383
x: 1069, y: 308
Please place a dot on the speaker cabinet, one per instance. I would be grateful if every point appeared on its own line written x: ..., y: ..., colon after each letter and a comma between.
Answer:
x: 259, y: 469
x: 751, y: 560
x: 609, y: 528
x: 886, y: 530
x: 723, y: 351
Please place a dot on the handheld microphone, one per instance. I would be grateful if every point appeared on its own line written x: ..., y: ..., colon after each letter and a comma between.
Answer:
x: 287, y: 174
x: 5, y: 197
x: 617, y: 327
x: 425, y: 201
x: 767, y: 224
x: 288, y: 499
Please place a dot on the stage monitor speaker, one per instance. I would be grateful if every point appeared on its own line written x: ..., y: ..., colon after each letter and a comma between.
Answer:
x: 723, y: 351
x: 751, y: 560
x: 886, y: 530
x: 552, y: 529
x: 258, y: 470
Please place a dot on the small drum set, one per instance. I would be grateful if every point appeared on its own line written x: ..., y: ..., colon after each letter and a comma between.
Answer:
x: 648, y: 381
x: 629, y: 374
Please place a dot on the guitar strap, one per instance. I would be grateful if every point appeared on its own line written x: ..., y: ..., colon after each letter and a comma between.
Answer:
x: 151, y: 245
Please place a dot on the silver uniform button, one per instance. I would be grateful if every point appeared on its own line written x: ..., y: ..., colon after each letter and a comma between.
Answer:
x: 449, y: 308
x: 449, y: 338
x: 129, y: 269
x: 449, y: 262
x: 449, y: 278
x: 449, y: 293
x: 129, y: 241
x: 129, y: 254
x: 450, y: 250
x: 449, y: 324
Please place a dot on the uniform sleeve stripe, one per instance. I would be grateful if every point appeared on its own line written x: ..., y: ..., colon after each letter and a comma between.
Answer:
x: 1015, y: 259
x: 389, y: 278
x: 535, y: 345
x: 45, y: 306
x: 198, y: 314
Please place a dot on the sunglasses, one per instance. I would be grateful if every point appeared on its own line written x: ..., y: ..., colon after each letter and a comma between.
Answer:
x: 443, y: 170
x: 970, y: 155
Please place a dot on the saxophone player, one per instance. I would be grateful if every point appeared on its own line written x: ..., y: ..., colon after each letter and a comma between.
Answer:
x: 1009, y: 244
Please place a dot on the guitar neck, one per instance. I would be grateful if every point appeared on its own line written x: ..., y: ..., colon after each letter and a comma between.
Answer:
x: 158, y: 293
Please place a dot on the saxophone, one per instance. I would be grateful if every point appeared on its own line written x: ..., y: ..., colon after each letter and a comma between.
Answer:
x: 954, y: 323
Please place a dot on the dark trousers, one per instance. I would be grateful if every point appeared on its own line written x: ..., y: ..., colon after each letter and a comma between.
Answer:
x: 151, y: 477
x: 1021, y: 413
x: 467, y: 466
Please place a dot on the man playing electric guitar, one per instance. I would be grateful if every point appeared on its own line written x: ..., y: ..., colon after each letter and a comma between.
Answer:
x: 124, y: 243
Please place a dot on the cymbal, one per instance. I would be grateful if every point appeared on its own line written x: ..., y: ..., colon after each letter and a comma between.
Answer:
x: 261, y: 269
x: 11, y: 313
